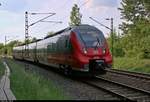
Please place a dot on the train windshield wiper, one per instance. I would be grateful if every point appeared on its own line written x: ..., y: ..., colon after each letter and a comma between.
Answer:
x: 98, y: 42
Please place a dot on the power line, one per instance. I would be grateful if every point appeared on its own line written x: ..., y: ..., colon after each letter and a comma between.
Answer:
x: 42, y: 19
x: 52, y: 21
x: 29, y: 25
x: 99, y: 23
x: 62, y: 5
x: 84, y: 3
x: 39, y: 13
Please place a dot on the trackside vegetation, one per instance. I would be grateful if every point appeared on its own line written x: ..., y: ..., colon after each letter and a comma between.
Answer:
x: 131, y: 47
x: 2, y: 68
x: 28, y: 85
x: 132, y: 64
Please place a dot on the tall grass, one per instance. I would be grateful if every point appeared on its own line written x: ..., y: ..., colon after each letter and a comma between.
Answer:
x: 30, y: 86
x: 132, y: 64
x: 2, y: 68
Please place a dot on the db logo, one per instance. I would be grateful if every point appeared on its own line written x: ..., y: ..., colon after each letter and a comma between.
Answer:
x: 95, y: 51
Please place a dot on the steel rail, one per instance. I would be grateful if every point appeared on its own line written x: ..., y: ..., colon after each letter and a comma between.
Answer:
x: 106, y: 90
x: 129, y: 73
x: 144, y: 92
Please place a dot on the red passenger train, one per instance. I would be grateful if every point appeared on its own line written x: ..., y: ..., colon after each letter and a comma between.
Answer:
x: 78, y: 48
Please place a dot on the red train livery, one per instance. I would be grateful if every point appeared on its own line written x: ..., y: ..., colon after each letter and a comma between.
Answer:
x: 82, y: 48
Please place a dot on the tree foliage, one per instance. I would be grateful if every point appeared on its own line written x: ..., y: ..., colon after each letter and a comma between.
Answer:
x: 117, y: 48
x: 75, y: 18
x: 1, y: 45
x: 50, y: 33
x: 136, y: 28
x: 7, y: 49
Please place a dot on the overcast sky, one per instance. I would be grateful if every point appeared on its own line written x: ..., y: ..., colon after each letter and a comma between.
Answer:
x: 12, y: 15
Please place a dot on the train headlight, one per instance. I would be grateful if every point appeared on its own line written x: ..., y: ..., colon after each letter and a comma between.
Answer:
x: 85, y: 51
x: 104, y: 51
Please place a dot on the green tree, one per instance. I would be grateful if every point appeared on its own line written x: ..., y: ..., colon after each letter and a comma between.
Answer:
x: 75, y: 18
x: 1, y: 48
x: 50, y: 33
x: 132, y: 11
x: 117, y: 47
x: 7, y: 49
x: 1, y: 45
x: 136, y: 27
x: 33, y: 39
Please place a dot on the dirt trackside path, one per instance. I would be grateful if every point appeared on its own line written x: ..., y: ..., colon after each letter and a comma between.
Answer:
x: 5, y: 91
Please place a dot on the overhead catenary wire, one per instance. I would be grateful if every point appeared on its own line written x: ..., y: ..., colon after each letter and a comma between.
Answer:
x: 100, y: 23
x: 56, y: 22
x: 84, y: 4
x: 52, y: 21
x: 42, y: 19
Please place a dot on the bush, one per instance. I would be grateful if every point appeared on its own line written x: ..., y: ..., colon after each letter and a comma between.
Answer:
x: 118, y: 50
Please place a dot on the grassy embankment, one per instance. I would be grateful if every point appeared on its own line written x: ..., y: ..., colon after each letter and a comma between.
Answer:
x: 30, y: 86
x: 132, y: 64
x: 2, y: 68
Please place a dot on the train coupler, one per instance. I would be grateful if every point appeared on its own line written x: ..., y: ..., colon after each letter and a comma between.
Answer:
x: 97, y: 66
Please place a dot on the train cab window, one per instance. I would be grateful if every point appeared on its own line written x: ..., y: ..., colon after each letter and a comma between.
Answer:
x: 90, y: 37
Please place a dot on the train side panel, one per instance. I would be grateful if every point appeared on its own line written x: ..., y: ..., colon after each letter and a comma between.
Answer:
x: 41, y: 51
x: 18, y: 52
x: 32, y: 53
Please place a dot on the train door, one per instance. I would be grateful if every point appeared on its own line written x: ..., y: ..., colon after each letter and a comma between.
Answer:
x: 68, y: 49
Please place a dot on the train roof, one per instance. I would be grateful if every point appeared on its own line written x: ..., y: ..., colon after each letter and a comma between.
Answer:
x: 77, y: 27
x: 82, y: 26
x: 28, y: 43
x: 61, y: 31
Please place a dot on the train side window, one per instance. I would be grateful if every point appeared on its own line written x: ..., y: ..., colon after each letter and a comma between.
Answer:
x: 66, y: 41
x: 70, y: 45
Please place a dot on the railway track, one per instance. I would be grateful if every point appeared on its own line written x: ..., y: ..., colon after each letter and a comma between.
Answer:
x: 127, y: 85
x: 137, y: 80
x: 132, y: 74
x: 123, y: 91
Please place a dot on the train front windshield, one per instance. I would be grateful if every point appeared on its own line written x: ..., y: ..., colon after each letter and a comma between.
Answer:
x: 91, y: 38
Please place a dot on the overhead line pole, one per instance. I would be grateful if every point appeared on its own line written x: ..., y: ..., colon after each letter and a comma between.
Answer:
x: 27, y: 29
x: 112, y: 34
x: 29, y: 25
x: 112, y: 39
x: 26, y: 35
x: 6, y: 40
